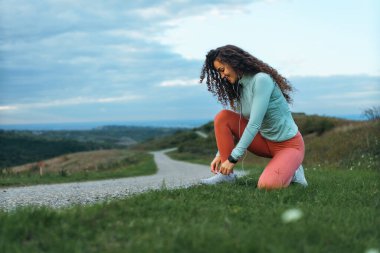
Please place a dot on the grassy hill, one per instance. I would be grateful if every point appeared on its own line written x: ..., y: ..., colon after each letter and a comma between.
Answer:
x: 115, y: 136
x: 20, y: 147
x: 330, y: 142
x: 68, y: 156
x: 80, y: 166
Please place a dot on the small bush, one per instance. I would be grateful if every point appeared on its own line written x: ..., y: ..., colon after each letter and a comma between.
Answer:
x: 63, y: 173
x: 318, y: 125
x: 372, y: 113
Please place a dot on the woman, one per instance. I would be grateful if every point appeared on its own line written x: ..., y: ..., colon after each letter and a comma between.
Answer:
x: 264, y: 124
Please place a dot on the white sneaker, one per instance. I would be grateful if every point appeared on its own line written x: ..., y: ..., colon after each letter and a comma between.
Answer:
x: 299, y: 177
x: 219, y: 178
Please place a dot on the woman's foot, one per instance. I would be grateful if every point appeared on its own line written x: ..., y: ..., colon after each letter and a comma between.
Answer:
x: 219, y: 178
x: 299, y: 177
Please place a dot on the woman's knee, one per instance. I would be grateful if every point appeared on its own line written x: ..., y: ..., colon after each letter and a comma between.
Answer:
x: 222, y: 116
x: 272, y: 180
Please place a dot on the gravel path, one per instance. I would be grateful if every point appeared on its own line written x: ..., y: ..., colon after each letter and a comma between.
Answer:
x: 171, y: 174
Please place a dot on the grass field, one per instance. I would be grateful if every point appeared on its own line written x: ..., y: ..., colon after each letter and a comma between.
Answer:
x: 338, y: 212
x: 83, y: 166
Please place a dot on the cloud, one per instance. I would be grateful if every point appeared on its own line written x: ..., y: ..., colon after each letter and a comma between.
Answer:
x: 8, y: 108
x: 60, y: 54
x: 335, y: 95
x: 180, y: 83
x: 152, y: 12
x: 352, y: 95
x: 70, y: 102
x: 309, y: 45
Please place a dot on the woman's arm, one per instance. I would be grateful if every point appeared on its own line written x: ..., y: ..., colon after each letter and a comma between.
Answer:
x: 262, y: 87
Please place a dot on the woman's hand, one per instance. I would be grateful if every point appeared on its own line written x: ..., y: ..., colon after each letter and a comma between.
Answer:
x: 227, y: 167
x: 215, y: 164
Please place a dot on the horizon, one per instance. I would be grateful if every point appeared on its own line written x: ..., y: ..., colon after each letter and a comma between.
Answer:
x: 169, y: 123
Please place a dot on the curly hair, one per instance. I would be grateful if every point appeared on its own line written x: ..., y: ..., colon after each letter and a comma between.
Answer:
x: 243, y: 63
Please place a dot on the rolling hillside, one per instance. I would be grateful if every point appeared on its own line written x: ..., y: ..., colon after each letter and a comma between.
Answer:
x: 80, y: 166
x: 20, y: 147
x: 330, y: 143
x: 80, y: 161
x: 17, y: 148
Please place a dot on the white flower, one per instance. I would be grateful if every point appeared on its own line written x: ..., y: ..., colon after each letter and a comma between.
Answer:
x: 291, y: 215
x: 372, y: 250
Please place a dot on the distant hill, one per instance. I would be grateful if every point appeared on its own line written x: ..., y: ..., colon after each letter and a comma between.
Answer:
x: 315, y: 124
x: 331, y: 142
x: 110, y: 135
x: 20, y: 147
x: 81, y: 161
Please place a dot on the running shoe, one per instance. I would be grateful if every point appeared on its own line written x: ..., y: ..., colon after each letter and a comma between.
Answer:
x: 219, y: 178
x: 299, y: 177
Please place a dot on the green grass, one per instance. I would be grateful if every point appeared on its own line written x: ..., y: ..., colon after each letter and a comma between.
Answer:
x: 340, y: 214
x: 189, y: 157
x: 138, y: 164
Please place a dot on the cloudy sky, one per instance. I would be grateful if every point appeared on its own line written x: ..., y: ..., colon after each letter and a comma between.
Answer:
x: 119, y: 60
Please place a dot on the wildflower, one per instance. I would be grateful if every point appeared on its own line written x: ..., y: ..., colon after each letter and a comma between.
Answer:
x: 372, y: 250
x: 291, y: 215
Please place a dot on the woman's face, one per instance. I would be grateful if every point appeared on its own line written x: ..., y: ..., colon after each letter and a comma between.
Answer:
x: 225, y: 71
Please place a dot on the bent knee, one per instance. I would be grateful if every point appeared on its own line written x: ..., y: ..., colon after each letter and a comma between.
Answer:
x: 271, y: 181
x: 222, y: 116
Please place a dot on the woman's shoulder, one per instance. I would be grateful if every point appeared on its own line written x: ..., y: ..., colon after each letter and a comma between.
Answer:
x: 261, y: 76
x: 262, y: 79
x: 251, y: 78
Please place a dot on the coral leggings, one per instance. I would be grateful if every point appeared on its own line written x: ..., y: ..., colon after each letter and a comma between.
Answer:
x: 286, y: 156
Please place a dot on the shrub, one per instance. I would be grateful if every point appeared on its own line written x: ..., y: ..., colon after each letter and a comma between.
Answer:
x: 372, y: 113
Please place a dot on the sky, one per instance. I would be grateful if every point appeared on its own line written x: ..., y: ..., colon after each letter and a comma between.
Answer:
x: 111, y: 61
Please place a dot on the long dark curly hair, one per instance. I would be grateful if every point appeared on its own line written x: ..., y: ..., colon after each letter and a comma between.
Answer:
x: 243, y: 63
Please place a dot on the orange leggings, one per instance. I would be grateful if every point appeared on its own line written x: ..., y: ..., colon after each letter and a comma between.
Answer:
x: 286, y: 156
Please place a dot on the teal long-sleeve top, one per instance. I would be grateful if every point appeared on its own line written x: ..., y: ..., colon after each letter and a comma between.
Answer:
x: 264, y: 106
